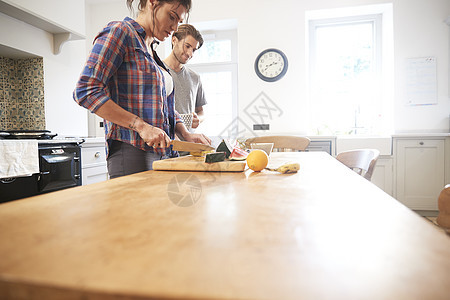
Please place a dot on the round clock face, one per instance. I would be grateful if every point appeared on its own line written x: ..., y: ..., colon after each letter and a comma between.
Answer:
x: 271, y: 65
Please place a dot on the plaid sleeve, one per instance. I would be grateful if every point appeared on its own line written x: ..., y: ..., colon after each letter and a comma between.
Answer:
x: 178, y: 118
x: 105, y: 58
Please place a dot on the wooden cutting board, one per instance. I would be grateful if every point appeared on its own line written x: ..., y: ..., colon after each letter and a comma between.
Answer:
x: 193, y: 163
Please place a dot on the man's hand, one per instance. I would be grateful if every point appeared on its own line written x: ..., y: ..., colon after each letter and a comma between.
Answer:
x: 198, y: 138
x: 195, y: 120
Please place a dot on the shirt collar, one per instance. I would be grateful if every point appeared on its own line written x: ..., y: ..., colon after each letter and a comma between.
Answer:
x: 136, y: 26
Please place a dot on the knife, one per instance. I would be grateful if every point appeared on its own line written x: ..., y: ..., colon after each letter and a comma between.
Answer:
x: 188, y: 146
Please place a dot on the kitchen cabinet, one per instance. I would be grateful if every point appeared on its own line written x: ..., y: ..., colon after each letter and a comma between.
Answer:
x: 419, y: 171
x: 382, y: 175
x: 93, y: 161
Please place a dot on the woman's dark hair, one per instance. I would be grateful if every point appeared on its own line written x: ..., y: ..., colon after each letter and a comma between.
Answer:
x: 142, y: 3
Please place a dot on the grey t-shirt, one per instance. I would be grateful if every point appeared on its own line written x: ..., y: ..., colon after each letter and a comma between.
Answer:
x: 189, y: 92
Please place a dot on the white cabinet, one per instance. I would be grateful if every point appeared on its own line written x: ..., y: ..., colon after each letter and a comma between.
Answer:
x: 382, y: 175
x: 419, y: 171
x: 93, y: 161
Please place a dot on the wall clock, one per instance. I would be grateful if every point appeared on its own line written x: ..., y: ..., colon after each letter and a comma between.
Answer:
x: 271, y: 65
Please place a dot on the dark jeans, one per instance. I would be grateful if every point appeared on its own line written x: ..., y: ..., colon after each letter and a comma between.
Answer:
x: 125, y: 159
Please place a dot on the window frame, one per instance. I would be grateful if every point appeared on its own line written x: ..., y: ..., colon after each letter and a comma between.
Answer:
x: 376, y: 18
x: 228, y: 66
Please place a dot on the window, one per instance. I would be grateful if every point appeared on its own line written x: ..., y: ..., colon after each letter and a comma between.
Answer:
x: 346, y: 64
x: 216, y: 63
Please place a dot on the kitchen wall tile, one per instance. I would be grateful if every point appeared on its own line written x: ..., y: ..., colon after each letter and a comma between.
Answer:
x: 22, y: 94
x: 8, y: 95
x: 4, y: 118
x: 3, y: 82
x: 9, y: 110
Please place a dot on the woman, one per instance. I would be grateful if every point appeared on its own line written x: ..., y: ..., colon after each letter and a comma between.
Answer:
x: 123, y: 83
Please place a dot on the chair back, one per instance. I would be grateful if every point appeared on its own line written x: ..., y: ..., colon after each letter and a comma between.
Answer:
x: 362, y: 161
x: 282, y: 143
x: 443, y: 218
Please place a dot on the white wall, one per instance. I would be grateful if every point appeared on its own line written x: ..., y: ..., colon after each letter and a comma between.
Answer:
x: 99, y: 14
x: 419, y: 31
x: 63, y: 115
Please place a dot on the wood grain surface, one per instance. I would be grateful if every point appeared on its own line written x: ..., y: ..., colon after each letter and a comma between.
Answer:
x: 323, y: 233
x: 193, y: 163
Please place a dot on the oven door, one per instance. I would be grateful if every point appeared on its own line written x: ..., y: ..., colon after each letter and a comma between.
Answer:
x: 60, y: 167
x: 18, y: 187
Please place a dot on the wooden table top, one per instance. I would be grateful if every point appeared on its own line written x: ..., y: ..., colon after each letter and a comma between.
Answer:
x: 323, y: 233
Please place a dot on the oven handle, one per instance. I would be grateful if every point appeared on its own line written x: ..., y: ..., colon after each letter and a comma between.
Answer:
x: 8, y: 180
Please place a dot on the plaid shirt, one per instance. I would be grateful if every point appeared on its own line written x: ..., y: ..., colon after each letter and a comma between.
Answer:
x: 121, y: 69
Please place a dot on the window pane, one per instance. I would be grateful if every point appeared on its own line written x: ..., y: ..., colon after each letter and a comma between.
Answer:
x: 345, y: 79
x: 212, y: 51
x: 219, y: 110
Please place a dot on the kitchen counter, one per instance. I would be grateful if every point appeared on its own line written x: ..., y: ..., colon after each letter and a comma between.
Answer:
x: 322, y: 233
x: 83, y: 140
x: 62, y: 141
x: 94, y: 139
x: 51, y: 141
x: 421, y: 135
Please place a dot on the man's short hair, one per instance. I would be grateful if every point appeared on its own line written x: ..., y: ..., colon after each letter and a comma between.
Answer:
x: 187, y: 29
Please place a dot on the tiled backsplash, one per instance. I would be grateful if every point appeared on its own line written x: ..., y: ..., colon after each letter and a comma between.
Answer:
x: 22, y: 94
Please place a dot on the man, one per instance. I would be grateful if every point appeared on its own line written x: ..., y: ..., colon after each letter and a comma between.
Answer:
x: 189, y: 94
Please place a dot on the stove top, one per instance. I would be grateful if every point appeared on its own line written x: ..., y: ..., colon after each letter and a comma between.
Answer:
x: 27, y: 134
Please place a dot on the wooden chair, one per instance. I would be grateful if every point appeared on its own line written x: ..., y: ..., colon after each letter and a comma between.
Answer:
x: 282, y: 143
x: 362, y: 161
x: 443, y: 218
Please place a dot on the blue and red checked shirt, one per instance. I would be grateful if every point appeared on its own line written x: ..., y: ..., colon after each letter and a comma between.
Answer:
x: 121, y: 69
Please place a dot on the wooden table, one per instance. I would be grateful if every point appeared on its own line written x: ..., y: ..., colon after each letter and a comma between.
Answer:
x: 323, y: 233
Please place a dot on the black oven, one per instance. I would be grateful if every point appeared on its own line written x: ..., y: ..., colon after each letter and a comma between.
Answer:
x: 59, y: 168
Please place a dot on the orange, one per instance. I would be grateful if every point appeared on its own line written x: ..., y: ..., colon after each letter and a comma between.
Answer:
x: 257, y: 160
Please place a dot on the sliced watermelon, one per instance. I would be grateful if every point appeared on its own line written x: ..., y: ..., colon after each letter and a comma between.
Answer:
x: 238, y: 154
x: 226, y: 147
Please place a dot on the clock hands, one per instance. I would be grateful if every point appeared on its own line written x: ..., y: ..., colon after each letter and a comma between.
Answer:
x: 267, y: 66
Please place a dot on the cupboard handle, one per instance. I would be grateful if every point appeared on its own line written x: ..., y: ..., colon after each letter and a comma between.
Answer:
x: 97, y: 154
x: 421, y: 143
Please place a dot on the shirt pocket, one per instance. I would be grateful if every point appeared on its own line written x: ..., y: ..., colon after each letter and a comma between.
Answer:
x: 143, y: 61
